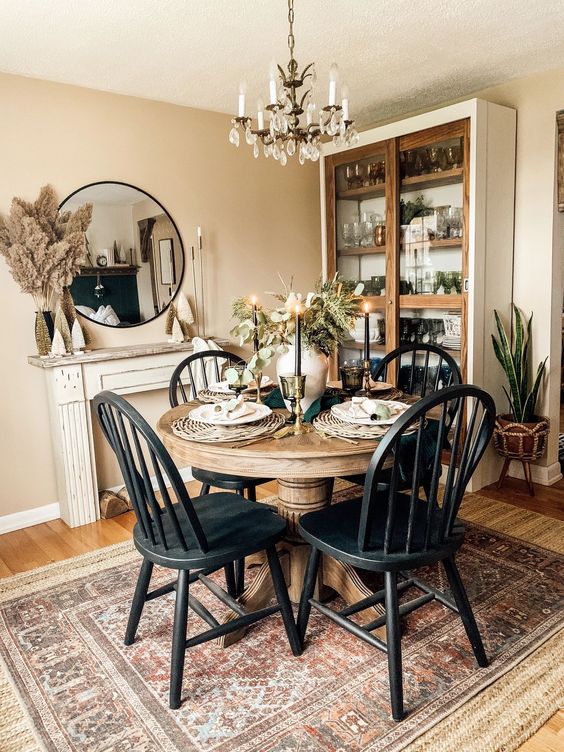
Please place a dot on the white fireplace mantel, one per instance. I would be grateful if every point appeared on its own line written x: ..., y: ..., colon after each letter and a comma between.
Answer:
x: 74, y: 380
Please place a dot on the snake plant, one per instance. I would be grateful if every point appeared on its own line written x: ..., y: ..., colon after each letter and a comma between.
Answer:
x: 514, y: 355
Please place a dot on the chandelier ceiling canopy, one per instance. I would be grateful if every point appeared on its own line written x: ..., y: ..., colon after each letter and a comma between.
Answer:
x: 286, y: 134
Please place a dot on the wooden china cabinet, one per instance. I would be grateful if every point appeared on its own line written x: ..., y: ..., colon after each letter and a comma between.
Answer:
x: 421, y: 211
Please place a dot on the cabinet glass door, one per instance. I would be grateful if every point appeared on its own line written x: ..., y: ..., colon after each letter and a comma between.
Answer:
x: 360, y: 242
x: 432, y: 241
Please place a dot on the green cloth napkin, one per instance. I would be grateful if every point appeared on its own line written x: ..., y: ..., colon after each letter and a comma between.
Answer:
x: 327, y: 400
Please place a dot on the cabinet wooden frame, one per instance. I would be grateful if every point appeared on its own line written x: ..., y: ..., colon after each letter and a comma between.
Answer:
x: 393, y: 302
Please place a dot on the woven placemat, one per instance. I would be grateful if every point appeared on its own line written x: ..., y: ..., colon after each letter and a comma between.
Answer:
x: 194, y: 430
x: 333, y: 426
x: 211, y: 396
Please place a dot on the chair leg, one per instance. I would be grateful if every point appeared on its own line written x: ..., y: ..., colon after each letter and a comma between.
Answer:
x: 239, y: 576
x: 252, y: 493
x: 178, y: 653
x: 465, y: 610
x: 283, y: 600
x: 230, y: 579
x: 393, y: 640
x: 503, y: 473
x: 205, y: 489
x: 138, y: 602
x: 310, y: 579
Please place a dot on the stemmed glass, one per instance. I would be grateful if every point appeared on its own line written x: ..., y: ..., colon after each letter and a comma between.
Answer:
x: 347, y: 232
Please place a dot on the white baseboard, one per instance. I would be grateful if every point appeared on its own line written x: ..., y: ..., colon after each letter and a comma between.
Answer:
x: 185, y: 474
x: 544, y: 475
x: 29, y: 517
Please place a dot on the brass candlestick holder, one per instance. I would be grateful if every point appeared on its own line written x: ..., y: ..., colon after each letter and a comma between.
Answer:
x: 258, y: 379
x: 288, y: 393
x: 366, y: 390
x: 293, y: 389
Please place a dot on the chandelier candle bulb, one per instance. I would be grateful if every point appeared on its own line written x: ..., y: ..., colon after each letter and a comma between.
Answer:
x: 199, y: 232
x: 272, y: 83
x: 242, y: 92
x: 333, y: 77
x: 345, y: 102
x: 260, y: 114
x: 298, y: 342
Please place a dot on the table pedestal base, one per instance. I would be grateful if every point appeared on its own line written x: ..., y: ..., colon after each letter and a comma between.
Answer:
x: 297, y: 496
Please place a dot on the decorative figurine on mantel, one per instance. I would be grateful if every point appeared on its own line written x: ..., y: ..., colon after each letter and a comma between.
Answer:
x: 179, y: 317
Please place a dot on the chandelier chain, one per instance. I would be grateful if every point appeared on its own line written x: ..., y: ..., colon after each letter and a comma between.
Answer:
x: 291, y: 40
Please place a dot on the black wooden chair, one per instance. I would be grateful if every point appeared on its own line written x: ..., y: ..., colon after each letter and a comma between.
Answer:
x: 192, y: 372
x: 421, y: 369
x: 196, y: 538
x: 393, y: 532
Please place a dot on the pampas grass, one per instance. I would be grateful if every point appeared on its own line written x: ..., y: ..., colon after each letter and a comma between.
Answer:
x: 43, y: 247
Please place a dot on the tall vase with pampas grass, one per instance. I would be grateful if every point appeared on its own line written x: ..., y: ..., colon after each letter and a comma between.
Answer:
x: 44, y: 249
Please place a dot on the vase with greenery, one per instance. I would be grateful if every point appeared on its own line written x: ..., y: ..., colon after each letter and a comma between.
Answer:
x: 329, y: 313
x: 521, y: 433
x: 44, y: 249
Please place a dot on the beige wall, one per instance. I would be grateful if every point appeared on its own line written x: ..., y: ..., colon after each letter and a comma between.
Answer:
x: 257, y: 218
x: 539, y: 228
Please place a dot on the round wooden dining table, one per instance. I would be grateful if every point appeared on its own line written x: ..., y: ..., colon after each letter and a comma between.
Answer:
x: 305, y: 467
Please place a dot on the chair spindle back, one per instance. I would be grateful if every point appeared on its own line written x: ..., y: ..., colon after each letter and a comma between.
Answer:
x: 194, y: 372
x: 415, y: 444
x: 142, y: 456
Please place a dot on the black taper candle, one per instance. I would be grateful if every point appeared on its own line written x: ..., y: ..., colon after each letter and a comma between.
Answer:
x: 298, y: 343
x: 366, y: 332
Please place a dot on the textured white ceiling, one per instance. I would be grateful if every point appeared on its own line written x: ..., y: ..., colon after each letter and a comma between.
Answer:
x: 396, y: 55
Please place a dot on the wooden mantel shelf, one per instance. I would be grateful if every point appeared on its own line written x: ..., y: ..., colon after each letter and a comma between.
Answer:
x: 108, y: 271
x: 117, y: 353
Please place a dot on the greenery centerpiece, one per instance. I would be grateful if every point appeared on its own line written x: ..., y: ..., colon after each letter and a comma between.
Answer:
x: 521, y: 433
x: 328, y: 313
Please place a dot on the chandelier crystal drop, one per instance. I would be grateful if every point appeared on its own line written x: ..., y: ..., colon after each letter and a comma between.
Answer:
x: 285, y: 134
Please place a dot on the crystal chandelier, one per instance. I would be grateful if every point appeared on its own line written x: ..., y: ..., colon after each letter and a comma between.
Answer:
x: 285, y: 135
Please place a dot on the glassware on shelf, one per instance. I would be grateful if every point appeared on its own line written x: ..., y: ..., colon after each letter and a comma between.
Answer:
x: 354, y: 174
x: 379, y: 234
x: 347, y: 233
x: 409, y: 160
x: 367, y: 229
x: 438, y: 287
x: 453, y: 156
x: 357, y: 233
x: 436, y: 155
x: 376, y: 172
x: 441, y: 213
x: 427, y: 283
x: 455, y: 222
x: 378, y: 285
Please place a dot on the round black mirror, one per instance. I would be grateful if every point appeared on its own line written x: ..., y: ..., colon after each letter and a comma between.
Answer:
x: 135, y: 257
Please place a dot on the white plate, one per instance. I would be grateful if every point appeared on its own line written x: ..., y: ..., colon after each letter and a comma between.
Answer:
x: 223, y: 386
x: 207, y: 414
x: 380, y: 386
x: 342, y: 412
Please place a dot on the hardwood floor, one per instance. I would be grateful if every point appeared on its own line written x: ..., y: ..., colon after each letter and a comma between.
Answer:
x: 36, y: 546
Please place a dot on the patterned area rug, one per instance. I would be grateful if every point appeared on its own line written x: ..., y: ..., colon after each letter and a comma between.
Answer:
x: 61, y: 632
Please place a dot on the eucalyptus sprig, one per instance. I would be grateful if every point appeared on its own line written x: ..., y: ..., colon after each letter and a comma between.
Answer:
x: 266, y: 333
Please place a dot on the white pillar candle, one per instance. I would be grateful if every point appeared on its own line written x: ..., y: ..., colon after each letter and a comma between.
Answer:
x: 333, y: 76
x: 272, y: 82
x: 345, y: 102
x: 242, y: 92
x: 260, y: 114
x: 309, y: 113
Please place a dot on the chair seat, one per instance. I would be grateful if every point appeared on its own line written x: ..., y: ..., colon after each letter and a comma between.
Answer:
x: 235, y: 527
x: 334, y: 530
x: 226, y: 482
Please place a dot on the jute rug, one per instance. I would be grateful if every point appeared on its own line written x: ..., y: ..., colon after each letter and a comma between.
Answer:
x: 68, y: 683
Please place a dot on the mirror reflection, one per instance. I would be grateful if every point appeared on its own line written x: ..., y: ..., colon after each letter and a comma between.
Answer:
x: 135, y: 257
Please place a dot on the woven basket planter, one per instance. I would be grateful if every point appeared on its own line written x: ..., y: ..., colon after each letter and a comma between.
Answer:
x: 520, y: 441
